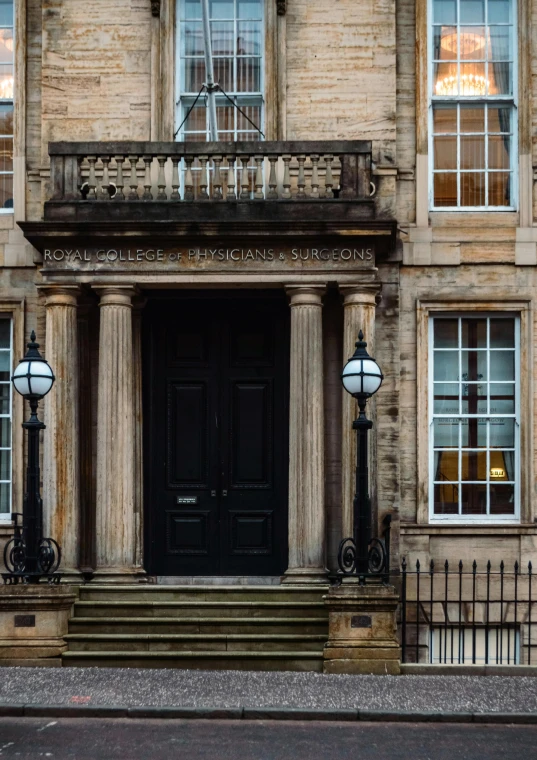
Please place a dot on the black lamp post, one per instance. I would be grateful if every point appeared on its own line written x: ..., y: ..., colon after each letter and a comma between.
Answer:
x: 360, y: 554
x: 28, y: 556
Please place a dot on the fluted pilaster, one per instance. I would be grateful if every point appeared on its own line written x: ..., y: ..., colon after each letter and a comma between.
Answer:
x: 61, y: 495
x: 359, y: 314
x: 115, y: 521
x: 306, y: 439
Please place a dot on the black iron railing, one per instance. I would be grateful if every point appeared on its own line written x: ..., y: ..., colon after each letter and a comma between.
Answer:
x: 462, y: 615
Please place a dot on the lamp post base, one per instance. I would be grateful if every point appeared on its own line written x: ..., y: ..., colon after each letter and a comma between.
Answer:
x: 362, y: 634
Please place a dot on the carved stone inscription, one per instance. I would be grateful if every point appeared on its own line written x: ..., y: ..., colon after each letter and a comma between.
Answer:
x: 219, y: 257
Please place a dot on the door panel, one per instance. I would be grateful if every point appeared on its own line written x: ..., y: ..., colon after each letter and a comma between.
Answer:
x: 216, y: 395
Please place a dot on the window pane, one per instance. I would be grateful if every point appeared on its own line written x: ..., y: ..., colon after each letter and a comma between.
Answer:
x: 5, y: 398
x: 445, y: 78
x: 502, y: 433
x: 474, y: 365
x: 446, y: 499
x: 254, y: 114
x: 5, y: 465
x: 502, y: 398
x: 502, y: 365
x: 474, y: 333
x: 249, y: 38
x: 5, y: 333
x: 226, y: 119
x: 472, y: 11
x: 6, y: 12
x: 501, y: 80
x: 445, y: 11
x: 473, y: 152
x: 221, y: 9
x: 474, y: 433
x: 445, y: 119
x: 446, y: 433
x: 499, y: 119
x: 223, y: 72
x: 445, y: 43
x: 194, y: 74
x: 500, y: 189
x: 6, y: 81
x: 445, y: 189
x: 472, y: 119
x: 5, y: 498
x: 5, y: 366
x: 473, y: 189
x: 222, y: 38
x: 190, y: 9
x: 248, y: 74
x: 502, y: 499
x: 446, y: 365
x: 6, y: 45
x: 196, y: 121
x: 445, y: 152
x: 473, y: 80
x: 502, y: 333
x: 474, y: 398
x: 447, y: 467
x: 6, y: 154
x: 474, y: 465
x: 472, y: 45
x: 499, y: 43
x: 6, y: 119
x: 446, y: 333
x: 474, y: 499
x: 446, y: 398
x: 249, y: 9
x: 502, y: 466
x: 5, y: 432
x: 499, y: 11
x: 499, y: 153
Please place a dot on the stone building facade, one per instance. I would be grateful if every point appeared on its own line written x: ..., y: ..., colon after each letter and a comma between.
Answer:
x: 393, y: 192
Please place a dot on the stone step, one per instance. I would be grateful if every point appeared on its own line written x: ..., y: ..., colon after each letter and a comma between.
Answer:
x: 202, y: 593
x: 195, y: 625
x: 202, y: 660
x: 232, y: 608
x: 194, y: 642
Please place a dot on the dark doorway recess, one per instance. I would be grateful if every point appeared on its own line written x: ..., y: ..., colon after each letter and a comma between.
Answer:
x: 216, y: 426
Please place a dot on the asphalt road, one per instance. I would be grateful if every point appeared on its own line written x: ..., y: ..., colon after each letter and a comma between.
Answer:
x: 128, y: 739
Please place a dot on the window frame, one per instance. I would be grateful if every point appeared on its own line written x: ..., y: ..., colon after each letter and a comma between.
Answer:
x: 481, y: 519
x: 186, y: 99
x: 511, y: 100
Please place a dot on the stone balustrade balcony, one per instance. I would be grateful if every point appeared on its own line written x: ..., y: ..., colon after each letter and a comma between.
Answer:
x: 219, y: 181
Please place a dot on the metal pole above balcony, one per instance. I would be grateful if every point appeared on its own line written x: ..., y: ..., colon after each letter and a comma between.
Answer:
x: 209, y: 72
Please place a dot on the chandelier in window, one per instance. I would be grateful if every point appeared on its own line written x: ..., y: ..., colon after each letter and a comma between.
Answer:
x: 463, y: 45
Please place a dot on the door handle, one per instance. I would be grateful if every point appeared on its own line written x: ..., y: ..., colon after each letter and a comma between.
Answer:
x: 224, y: 492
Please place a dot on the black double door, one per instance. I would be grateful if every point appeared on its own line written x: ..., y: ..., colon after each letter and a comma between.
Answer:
x: 216, y: 434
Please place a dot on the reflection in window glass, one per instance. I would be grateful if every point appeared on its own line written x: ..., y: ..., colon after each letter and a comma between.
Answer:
x: 474, y: 424
x: 6, y: 105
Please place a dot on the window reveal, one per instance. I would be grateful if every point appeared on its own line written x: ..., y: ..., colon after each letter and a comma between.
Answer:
x: 6, y: 342
x: 474, y: 420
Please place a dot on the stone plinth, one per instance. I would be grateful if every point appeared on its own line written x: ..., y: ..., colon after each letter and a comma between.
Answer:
x: 362, y: 636
x: 33, y: 622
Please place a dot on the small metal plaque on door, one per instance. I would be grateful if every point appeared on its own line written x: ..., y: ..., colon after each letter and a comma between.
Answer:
x: 187, y: 500
x: 360, y: 621
x: 24, y: 621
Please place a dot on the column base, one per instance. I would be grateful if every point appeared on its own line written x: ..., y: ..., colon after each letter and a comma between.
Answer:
x: 306, y: 576
x: 362, y: 633
x: 118, y: 575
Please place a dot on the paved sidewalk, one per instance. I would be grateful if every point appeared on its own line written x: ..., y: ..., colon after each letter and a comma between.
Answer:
x: 238, y: 694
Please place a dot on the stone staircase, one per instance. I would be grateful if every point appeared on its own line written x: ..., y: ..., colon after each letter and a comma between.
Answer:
x: 201, y: 627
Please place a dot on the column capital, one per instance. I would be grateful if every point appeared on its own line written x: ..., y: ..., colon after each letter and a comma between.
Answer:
x: 306, y: 295
x: 60, y: 295
x: 115, y: 295
x: 360, y: 295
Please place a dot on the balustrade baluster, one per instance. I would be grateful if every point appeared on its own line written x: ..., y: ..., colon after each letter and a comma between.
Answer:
x: 217, y: 179
x: 329, y: 180
x: 301, y: 182
x: 314, y: 176
x: 104, y: 194
x: 259, y: 194
x: 161, y: 182
x: 245, y: 179
x: 273, y: 182
x: 204, y: 184
x: 189, y: 183
x: 92, y: 182
x: 231, y: 195
x: 286, y: 177
x: 175, y: 196
x: 119, y: 196
x: 133, y: 195
x: 148, y: 195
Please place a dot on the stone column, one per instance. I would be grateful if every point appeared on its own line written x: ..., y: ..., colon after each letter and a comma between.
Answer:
x: 358, y: 314
x: 306, y: 439
x: 115, y: 522
x: 61, y: 494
